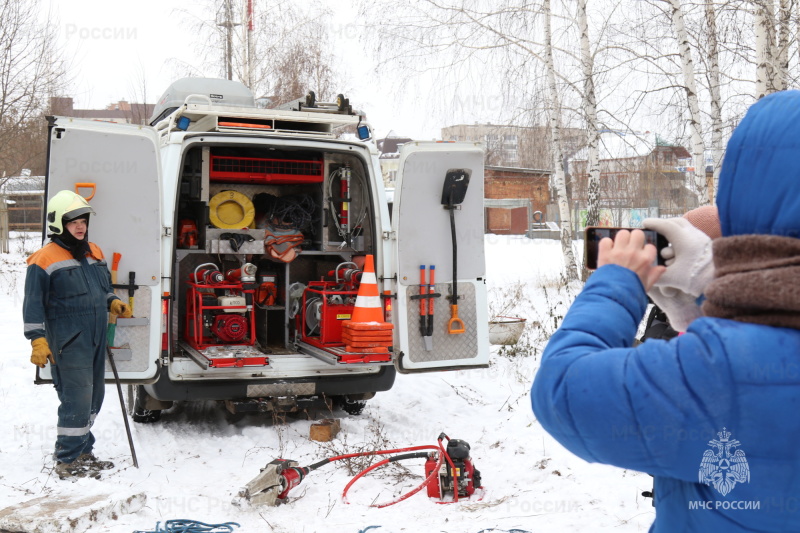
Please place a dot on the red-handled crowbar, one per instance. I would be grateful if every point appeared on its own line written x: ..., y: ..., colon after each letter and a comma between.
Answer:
x: 426, y: 296
x: 423, y: 303
x: 431, y: 296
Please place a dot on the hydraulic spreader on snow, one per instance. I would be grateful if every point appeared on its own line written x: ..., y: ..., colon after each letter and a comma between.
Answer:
x: 450, y: 474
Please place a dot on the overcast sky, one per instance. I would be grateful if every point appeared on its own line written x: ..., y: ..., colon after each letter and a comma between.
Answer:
x: 108, y: 44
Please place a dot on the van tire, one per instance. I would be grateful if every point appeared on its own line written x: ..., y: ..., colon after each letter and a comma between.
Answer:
x: 137, y: 398
x: 350, y: 406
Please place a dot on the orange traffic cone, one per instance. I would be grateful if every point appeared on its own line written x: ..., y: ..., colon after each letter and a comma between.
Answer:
x: 368, y: 306
x: 367, y: 332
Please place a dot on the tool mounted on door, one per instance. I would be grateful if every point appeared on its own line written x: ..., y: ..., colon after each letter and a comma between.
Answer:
x: 131, y: 286
x: 450, y: 474
x: 426, y: 298
x: 453, y: 194
x: 112, y: 318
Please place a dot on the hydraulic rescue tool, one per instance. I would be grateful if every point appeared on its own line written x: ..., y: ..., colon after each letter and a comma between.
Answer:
x: 450, y: 474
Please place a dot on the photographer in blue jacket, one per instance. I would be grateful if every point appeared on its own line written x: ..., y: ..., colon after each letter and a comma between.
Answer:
x: 711, y: 414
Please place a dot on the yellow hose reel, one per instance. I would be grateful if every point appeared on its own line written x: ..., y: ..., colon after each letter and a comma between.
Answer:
x: 231, y: 210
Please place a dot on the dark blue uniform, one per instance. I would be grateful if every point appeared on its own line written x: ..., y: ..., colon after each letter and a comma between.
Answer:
x: 67, y: 301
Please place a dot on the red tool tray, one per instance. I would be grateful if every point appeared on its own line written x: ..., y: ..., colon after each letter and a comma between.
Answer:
x: 264, y: 170
x: 236, y: 362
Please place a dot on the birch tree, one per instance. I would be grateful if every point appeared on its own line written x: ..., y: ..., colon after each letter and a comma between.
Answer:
x: 690, y: 85
x: 717, y: 149
x: 783, y: 42
x: 592, y: 126
x: 766, y: 75
x: 558, y: 154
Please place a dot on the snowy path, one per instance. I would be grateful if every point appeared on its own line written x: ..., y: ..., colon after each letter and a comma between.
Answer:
x: 193, y: 462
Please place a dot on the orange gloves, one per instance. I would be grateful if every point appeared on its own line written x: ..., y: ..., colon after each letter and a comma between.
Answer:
x: 120, y: 309
x: 41, y: 352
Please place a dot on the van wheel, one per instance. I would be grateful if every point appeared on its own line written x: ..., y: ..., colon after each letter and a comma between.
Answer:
x: 350, y: 406
x: 137, y: 398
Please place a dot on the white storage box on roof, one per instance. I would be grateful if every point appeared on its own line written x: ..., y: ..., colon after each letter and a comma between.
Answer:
x: 219, y: 92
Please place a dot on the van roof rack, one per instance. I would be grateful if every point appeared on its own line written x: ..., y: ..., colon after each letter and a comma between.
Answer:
x: 207, y: 105
x: 207, y: 117
x: 310, y: 104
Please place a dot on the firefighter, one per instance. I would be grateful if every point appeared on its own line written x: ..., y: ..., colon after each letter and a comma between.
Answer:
x: 67, y: 298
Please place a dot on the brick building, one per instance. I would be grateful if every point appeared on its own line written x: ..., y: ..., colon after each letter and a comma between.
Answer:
x: 640, y: 175
x: 122, y: 112
x: 513, y: 196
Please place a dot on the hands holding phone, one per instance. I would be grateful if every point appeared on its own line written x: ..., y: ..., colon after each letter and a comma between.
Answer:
x: 690, y: 268
x: 629, y: 249
x: 683, y: 248
x: 689, y: 260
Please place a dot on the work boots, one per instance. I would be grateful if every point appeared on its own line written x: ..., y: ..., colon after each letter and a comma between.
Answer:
x: 86, y: 465
x: 74, y: 470
x: 92, y: 462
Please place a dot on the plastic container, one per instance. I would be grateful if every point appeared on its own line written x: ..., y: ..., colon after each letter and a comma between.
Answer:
x: 504, y: 330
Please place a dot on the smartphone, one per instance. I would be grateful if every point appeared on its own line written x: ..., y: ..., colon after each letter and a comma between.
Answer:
x: 593, y: 235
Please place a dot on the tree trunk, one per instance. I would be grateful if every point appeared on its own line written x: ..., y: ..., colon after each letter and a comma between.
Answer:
x: 592, y: 128
x: 764, y: 29
x: 717, y: 148
x: 782, y: 53
x: 590, y: 110
x: 558, y: 151
x: 695, y: 124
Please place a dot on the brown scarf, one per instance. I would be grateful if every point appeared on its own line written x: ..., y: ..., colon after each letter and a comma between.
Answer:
x: 756, y: 280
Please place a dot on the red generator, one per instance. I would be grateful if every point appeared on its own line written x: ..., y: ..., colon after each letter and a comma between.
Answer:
x: 218, y: 311
x: 326, y: 304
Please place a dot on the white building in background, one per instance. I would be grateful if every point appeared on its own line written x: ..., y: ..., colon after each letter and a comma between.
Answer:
x: 389, y: 158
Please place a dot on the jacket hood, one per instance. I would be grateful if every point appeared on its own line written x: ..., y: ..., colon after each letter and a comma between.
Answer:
x: 759, y: 184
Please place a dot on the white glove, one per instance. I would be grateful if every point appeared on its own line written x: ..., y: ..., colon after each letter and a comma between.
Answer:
x: 690, y: 264
x: 690, y: 268
x: 681, y: 308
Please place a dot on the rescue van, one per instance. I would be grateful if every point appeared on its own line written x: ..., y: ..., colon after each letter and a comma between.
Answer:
x: 243, y: 238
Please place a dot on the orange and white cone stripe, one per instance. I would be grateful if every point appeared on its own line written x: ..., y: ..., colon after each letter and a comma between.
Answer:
x: 367, y: 332
x: 368, y: 307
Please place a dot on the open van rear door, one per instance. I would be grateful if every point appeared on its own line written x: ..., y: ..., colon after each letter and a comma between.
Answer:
x: 422, y: 230
x: 116, y: 167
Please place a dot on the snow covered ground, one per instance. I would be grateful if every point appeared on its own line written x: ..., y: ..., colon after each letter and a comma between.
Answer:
x: 193, y: 462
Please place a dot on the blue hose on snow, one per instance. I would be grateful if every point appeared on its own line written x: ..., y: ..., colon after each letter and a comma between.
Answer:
x: 191, y: 526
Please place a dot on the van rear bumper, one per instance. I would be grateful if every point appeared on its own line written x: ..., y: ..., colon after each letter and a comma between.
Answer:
x: 165, y: 389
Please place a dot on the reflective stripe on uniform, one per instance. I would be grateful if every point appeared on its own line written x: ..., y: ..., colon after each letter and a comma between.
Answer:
x: 33, y: 327
x: 61, y: 264
x: 73, y: 432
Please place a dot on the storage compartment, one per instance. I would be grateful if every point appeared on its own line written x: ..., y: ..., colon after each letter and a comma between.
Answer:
x: 312, y: 217
x: 265, y: 170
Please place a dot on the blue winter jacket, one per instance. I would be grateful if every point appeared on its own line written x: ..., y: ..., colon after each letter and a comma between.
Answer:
x: 719, y: 402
